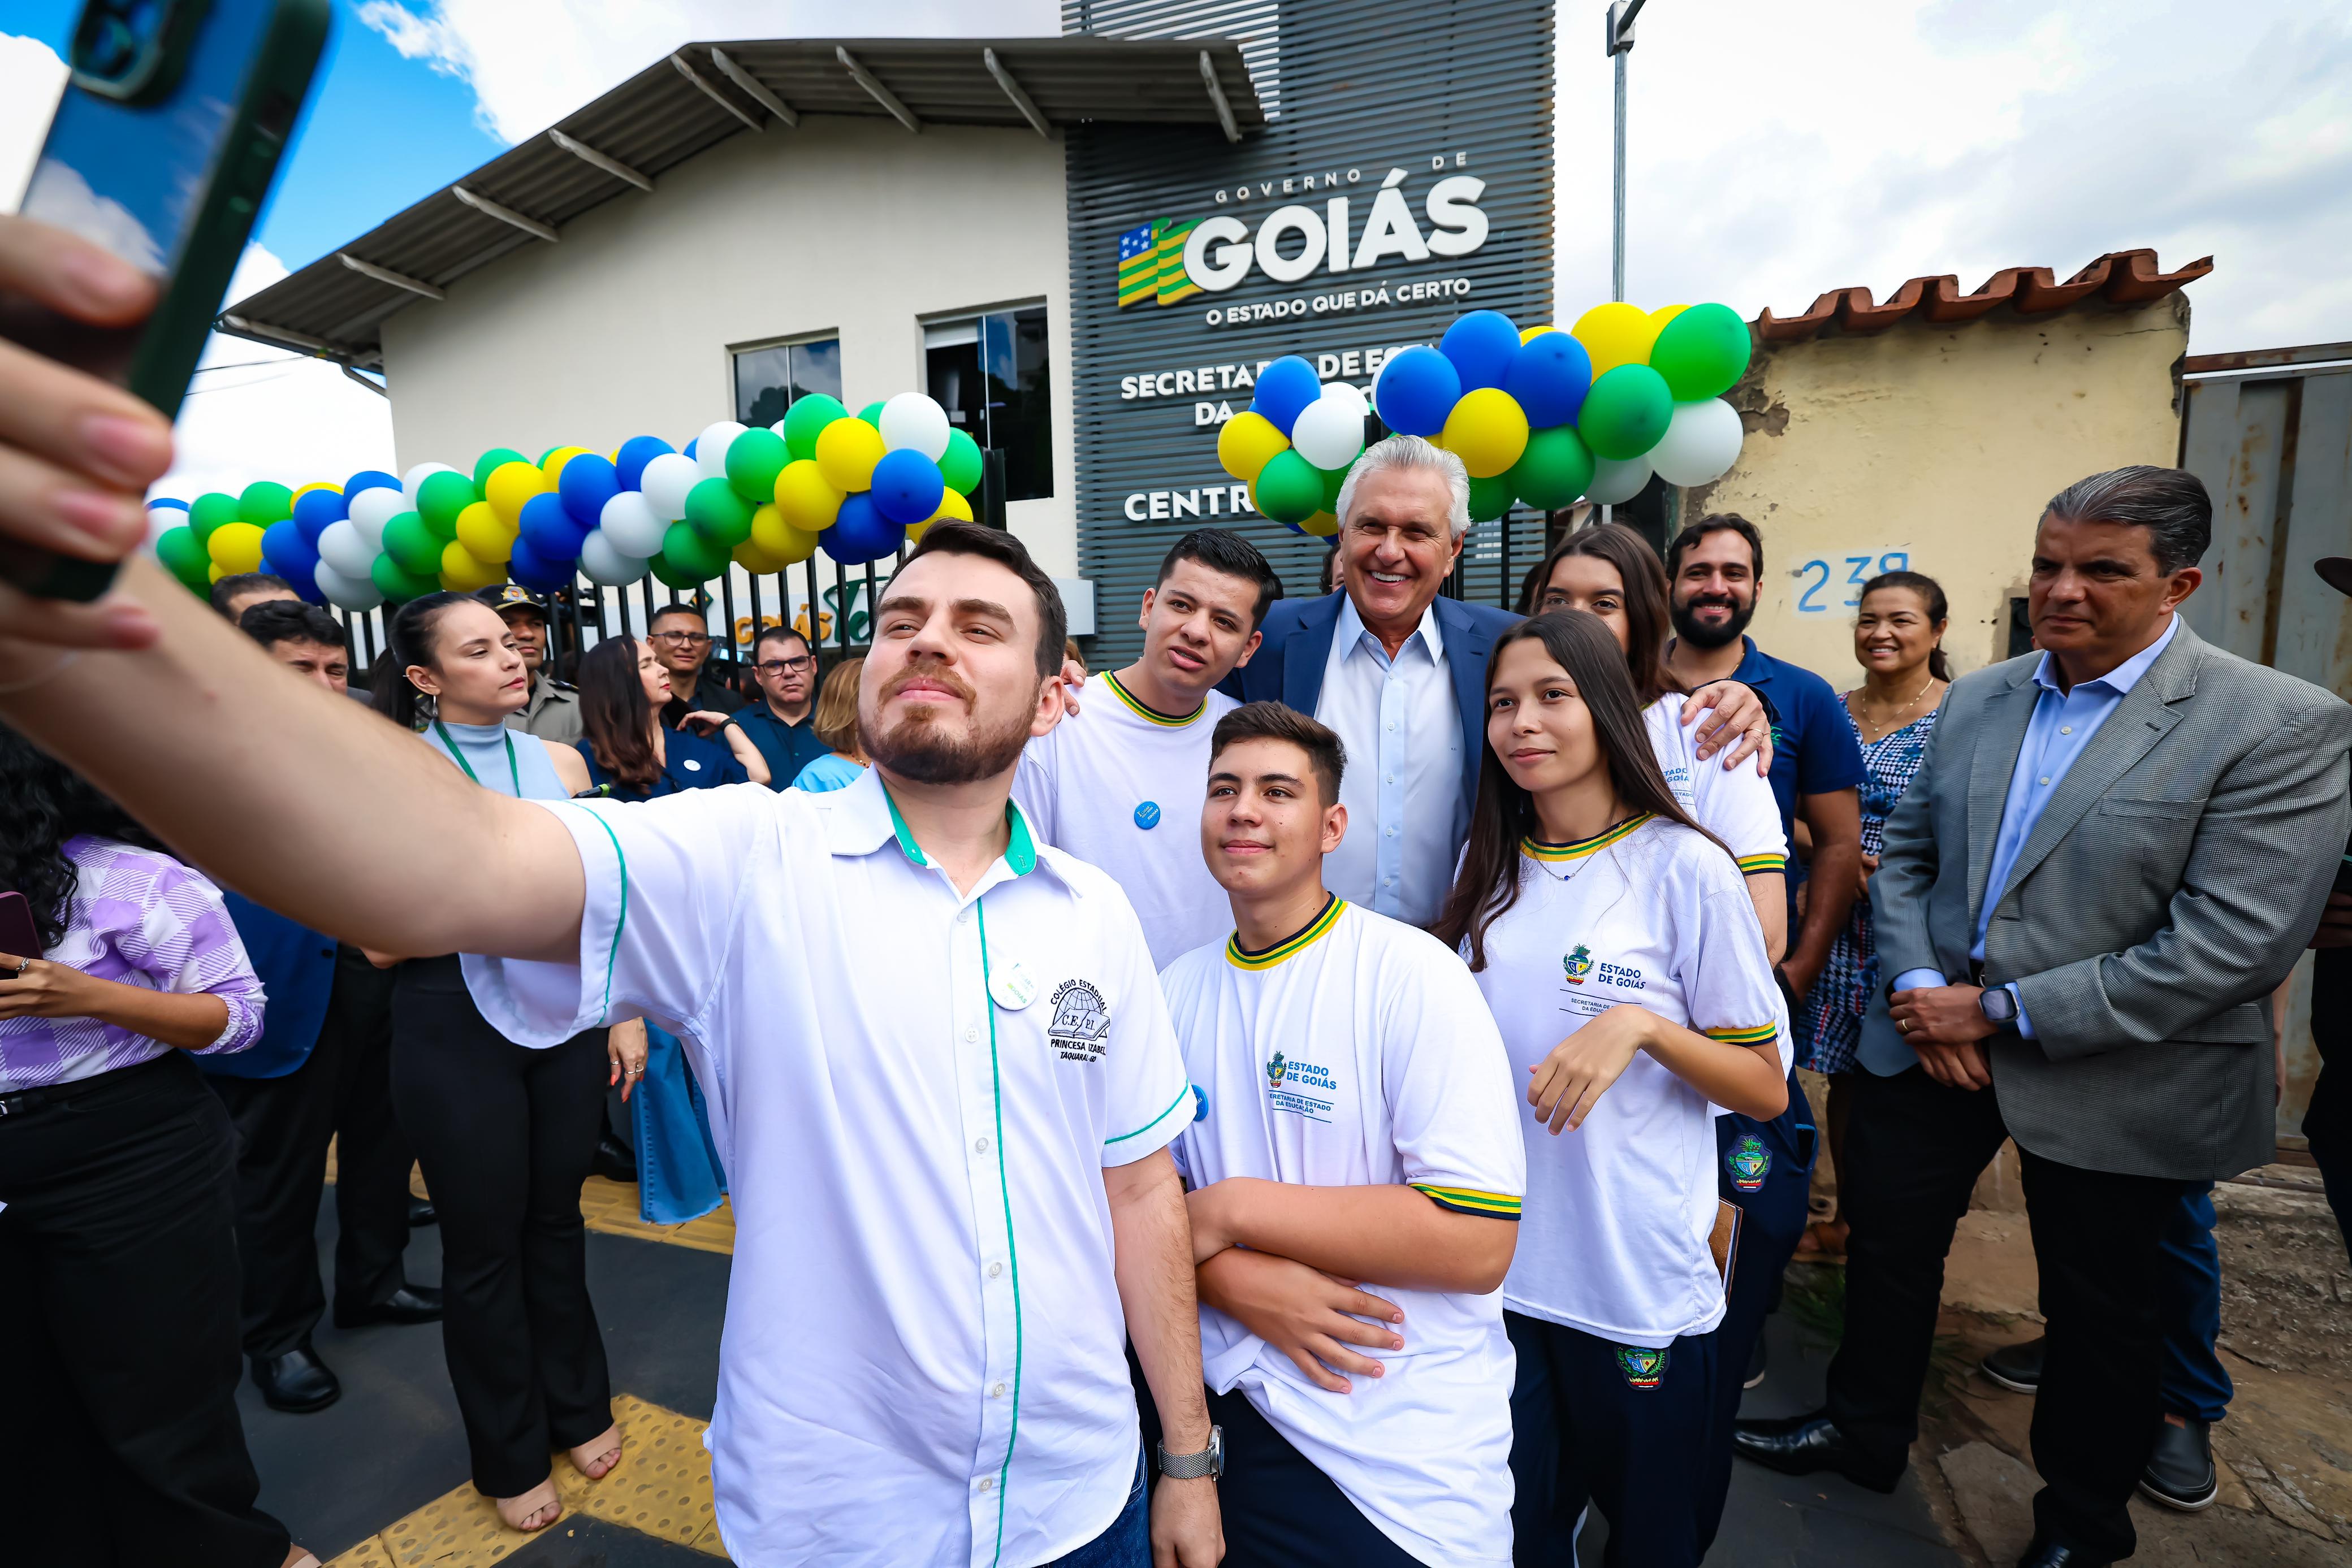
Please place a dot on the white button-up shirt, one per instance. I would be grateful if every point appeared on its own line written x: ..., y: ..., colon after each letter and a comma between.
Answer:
x: 914, y: 1093
x: 1402, y: 787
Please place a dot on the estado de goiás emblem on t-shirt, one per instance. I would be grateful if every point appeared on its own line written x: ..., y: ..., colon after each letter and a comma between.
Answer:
x: 1081, y: 1022
x: 1276, y: 1068
x: 1748, y: 1162
x: 1578, y: 963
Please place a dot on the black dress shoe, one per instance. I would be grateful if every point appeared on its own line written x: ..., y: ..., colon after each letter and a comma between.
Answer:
x: 421, y: 1212
x: 1803, y: 1445
x: 613, y: 1161
x: 2179, y: 1471
x: 297, y: 1382
x: 2016, y: 1367
x: 408, y: 1304
x: 2044, y: 1552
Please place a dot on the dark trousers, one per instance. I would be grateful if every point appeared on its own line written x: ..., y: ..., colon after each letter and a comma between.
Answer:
x: 506, y: 1135
x: 343, y: 1093
x: 120, y: 1442
x: 1766, y: 1168
x: 1916, y: 1148
x: 2327, y: 1121
x: 1632, y: 1431
x: 2195, y: 1384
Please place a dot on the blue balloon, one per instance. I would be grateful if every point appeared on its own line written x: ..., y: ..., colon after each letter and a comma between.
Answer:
x: 549, y: 530
x: 1416, y: 391
x: 314, y: 509
x: 1285, y: 388
x: 167, y: 501
x: 288, y: 553
x: 907, y: 486
x: 692, y: 444
x: 526, y: 567
x: 860, y: 532
x: 1549, y: 377
x: 636, y: 453
x: 587, y: 482
x: 1482, y: 346
x: 369, y: 479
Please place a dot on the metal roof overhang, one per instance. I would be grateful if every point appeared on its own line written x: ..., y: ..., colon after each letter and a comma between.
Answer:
x: 698, y: 96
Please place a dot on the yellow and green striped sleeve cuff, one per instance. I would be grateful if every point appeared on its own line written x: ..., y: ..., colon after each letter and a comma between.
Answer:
x: 1469, y: 1200
x: 1756, y: 1034
x: 1752, y: 865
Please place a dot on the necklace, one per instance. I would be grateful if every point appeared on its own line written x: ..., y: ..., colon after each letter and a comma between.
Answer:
x: 513, y: 767
x: 1888, y: 724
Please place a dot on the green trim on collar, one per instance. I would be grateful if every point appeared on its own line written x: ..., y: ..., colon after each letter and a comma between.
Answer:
x: 906, y: 844
x: 1020, y: 850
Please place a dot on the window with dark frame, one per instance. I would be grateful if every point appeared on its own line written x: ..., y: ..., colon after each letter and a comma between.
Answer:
x: 770, y: 380
x: 992, y: 374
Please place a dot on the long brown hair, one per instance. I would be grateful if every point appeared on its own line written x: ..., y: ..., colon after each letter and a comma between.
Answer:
x: 1647, y: 618
x: 1489, y: 882
x: 615, y: 714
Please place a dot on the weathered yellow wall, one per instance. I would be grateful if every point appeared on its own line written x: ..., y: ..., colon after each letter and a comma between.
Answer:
x: 1937, y: 443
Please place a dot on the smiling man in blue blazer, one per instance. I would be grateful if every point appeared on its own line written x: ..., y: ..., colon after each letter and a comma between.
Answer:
x: 1398, y: 672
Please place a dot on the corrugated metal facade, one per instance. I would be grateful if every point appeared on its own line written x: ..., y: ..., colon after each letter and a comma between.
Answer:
x: 1430, y: 89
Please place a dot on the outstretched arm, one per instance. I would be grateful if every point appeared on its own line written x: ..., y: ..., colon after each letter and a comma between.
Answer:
x: 299, y: 799
x: 1394, y: 1235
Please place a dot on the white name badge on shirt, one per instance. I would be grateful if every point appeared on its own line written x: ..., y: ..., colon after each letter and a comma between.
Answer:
x: 1011, y: 987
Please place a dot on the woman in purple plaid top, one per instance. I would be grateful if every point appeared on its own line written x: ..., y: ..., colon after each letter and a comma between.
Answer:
x: 117, y: 1243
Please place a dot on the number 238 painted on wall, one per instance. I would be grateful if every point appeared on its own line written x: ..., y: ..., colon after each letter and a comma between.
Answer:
x: 1817, y: 575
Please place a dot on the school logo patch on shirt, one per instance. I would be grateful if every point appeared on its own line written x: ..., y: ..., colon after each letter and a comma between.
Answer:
x: 1578, y: 963
x: 1748, y: 1163
x: 1291, y: 1086
x: 1147, y: 815
x: 1081, y: 1023
x: 1643, y: 1367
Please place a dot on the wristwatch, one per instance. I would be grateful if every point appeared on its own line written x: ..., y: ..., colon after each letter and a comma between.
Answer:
x: 1209, y: 1461
x: 1999, y: 1008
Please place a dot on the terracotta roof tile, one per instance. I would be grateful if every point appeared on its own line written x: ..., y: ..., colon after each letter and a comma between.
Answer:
x: 2122, y: 277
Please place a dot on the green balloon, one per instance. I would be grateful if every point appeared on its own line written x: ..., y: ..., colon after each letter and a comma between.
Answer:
x: 263, y: 503
x: 717, y: 513
x: 1625, y: 412
x: 1554, y: 469
x: 753, y: 460
x: 1489, y: 498
x: 690, y: 553
x: 209, y: 511
x: 671, y: 576
x: 397, y: 585
x: 1701, y: 352
x: 872, y: 413
x: 182, y: 555
x: 439, y: 500
x: 489, y: 462
x: 1333, y: 479
x: 806, y: 420
x: 961, y: 465
x: 413, y: 545
x: 1289, y: 488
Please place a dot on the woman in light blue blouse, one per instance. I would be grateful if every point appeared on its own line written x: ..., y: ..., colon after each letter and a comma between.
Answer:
x: 836, y: 723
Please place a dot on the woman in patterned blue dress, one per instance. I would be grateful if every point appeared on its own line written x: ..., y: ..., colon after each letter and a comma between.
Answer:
x: 1898, y: 641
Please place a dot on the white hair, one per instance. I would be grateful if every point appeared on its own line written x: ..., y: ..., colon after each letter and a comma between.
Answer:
x: 1412, y: 452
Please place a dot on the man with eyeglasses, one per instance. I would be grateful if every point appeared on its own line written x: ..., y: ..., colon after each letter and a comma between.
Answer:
x: 681, y: 640
x: 779, y: 724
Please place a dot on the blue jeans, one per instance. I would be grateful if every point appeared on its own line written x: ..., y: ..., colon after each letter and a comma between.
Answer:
x: 2194, y: 1382
x: 1127, y: 1543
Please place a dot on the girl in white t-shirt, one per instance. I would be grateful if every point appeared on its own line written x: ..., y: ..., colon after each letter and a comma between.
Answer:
x: 1614, y: 942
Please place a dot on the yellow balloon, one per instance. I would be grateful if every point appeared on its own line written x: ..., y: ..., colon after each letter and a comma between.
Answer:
x: 804, y: 497
x: 846, y: 451
x: 302, y: 490
x: 1487, y: 430
x: 462, y: 573
x: 1247, y: 444
x: 553, y: 466
x: 952, y: 508
x: 1616, y: 334
x: 1665, y: 313
x: 235, y: 547
x: 512, y: 484
x: 755, y: 561
x: 778, y: 540
x: 487, y: 536
x: 214, y: 573
x: 1528, y: 332
x: 1322, y: 526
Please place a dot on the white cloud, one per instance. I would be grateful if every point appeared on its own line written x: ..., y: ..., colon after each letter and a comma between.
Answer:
x: 59, y: 196
x: 31, y: 79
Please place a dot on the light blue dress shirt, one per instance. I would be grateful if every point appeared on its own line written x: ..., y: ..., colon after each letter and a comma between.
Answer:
x: 1401, y: 724
x: 2062, y: 725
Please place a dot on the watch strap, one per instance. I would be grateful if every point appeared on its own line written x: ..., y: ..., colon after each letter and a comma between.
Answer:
x: 1192, y: 1466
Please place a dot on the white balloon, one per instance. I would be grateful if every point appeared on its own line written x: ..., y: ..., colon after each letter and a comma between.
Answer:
x: 344, y: 591
x: 777, y: 430
x: 1351, y: 392
x: 667, y: 480
x: 416, y: 476
x: 710, y: 448
x: 604, y: 565
x: 628, y: 525
x: 342, y: 546
x: 1613, y: 483
x: 1328, y: 432
x: 1701, y: 443
x: 912, y: 422
x: 371, y: 510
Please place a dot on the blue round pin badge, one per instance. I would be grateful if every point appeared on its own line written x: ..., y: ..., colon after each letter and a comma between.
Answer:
x: 1199, y: 1103
x: 1147, y: 815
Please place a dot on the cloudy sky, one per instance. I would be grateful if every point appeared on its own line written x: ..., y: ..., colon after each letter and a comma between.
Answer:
x: 1777, y: 152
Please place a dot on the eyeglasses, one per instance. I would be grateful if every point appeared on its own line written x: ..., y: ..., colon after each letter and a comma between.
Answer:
x: 690, y: 639
x: 783, y: 666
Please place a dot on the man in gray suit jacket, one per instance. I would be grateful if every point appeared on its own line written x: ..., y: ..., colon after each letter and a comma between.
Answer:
x: 2113, y: 854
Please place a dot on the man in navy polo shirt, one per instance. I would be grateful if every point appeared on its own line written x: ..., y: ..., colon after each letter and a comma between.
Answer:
x: 781, y: 724
x: 1712, y: 568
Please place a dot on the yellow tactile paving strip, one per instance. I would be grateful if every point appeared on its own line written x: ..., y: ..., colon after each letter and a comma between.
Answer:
x: 661, y: 1488
x: 612, y: 1206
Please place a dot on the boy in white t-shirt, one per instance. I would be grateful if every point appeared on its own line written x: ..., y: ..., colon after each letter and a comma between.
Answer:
x: 1355, y: 1121
x: 1117, y: 782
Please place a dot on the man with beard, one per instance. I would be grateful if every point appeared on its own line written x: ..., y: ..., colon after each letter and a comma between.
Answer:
x: 938, y: 1069
x: 1712, y: 568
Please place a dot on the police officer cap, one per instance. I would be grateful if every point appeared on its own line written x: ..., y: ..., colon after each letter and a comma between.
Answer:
x: 513, y: 596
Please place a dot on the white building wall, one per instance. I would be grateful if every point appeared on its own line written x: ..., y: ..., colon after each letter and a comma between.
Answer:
x: 848, y: 226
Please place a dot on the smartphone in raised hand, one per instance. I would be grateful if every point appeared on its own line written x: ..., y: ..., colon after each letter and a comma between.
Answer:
x: 162, y: 151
